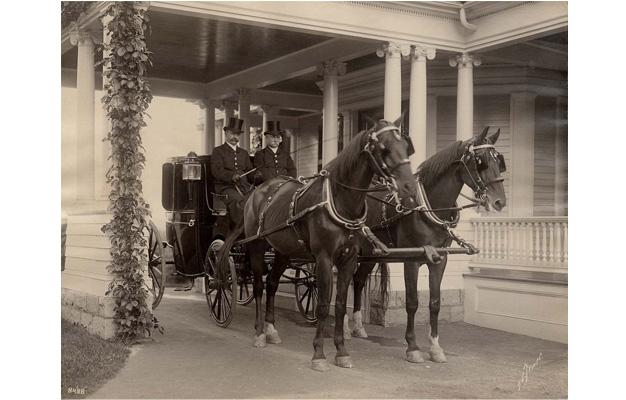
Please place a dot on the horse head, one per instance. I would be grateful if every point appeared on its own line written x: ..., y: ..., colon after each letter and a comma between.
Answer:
x: 482, y: 169
x: 390, y: 151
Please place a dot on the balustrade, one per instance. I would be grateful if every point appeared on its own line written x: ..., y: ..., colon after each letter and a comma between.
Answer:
x: 539, y: 242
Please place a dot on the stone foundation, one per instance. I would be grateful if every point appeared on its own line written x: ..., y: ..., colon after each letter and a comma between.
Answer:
x: 94, y: 313
x: 451, y: 310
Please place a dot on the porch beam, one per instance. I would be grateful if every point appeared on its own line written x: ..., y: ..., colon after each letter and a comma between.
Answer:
x: 289, y: 66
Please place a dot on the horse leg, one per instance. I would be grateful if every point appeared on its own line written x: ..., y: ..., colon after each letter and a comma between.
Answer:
x: 435, y: 275
x: 345, y: 274
x: 324, y: 287
x: 273, y: 280
x: 411, y: 271
x: 362, y: 272
x: 258, y: 263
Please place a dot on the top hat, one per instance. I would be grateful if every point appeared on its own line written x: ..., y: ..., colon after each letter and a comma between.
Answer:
x: 234, y: 125
x: 273, y: 128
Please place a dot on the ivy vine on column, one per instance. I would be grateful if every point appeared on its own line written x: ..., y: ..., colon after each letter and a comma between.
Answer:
x: 126, y: 100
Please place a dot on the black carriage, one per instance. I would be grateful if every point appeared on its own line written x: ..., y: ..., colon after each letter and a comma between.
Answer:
x: 192, y: 210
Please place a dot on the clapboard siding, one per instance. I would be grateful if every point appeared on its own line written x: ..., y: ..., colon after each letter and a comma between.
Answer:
x: 307, y: 144
x: 545, y: 129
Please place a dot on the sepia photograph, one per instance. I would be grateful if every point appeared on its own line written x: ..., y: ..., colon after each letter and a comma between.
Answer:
x: 311, y: 199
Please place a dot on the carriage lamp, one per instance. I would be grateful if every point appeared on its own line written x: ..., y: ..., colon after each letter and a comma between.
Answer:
x: 192, y: 168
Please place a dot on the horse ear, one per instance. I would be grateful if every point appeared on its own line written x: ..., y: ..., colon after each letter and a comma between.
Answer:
x: 493, y: 138
x: 398, y: 122
x: 483, y: 135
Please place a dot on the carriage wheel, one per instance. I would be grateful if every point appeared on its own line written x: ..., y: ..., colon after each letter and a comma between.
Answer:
x: 220, y: 288
x: 156, y: 264
x: 245, y: 292
x: 306, y: 293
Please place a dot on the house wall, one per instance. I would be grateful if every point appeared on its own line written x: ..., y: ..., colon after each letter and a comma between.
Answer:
x: 307, y: 145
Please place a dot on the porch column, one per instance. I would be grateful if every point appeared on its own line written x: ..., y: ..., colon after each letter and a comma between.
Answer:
x: 267, y: 115
x: 393, y: 77
x: 522, y: 128
x: 229, y: 111
x: 331, y: 70
x: 465, y: 94
x: 560, y: 167
x: 418, y: 102
x: 244, y: 113
x: 85, y: 83
x: 431, y: 125
x: 209, y: 134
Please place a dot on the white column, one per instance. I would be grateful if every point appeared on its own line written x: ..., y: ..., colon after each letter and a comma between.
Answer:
x: 267, y: 115
x: 229, y: 111
x: 465, y: 94
x: 85, y: 83
x: 209, y: 134
x: 560, y: 166
x: 418, y: 102
x: 431, y: 125
x: 244, y: 113
x: 522, y: 128
x: 393, y: 77
x: 331, y: 70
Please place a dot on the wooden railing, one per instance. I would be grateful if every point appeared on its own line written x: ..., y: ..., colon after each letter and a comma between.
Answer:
x: 537, y: 242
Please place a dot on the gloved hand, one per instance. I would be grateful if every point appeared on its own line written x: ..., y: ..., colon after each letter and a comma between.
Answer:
x: 258, y: 178
x: 236, y: 177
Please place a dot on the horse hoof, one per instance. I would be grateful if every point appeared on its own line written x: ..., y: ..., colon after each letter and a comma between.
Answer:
x: 360, y: 333
x: 320, y: 365
x: 259, y: 341
x: 343, y: 361
x: 438, y: 356
x: 414, y: 356
x: 273, y: 338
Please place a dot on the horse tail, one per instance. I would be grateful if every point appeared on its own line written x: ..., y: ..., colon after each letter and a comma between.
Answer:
x: 224, y: 252
x: 384, y: 280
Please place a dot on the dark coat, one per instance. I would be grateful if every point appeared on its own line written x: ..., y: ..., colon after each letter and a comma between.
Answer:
x: 272, y: 165
x: 225, y: 163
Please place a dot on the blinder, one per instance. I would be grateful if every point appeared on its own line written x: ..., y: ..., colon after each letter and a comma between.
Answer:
x: 410, y: 149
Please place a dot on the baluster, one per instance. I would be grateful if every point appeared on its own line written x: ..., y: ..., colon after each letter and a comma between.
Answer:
x: 519, y: 241
x: 544, y: 244
x: 565, y: 244
x: 493, y: 240
x: 487, y: 242
x: 536, y: 238
x: 496, y: 241
x: 551, y: 248
x: 506, y: 240
x: 557, y: 244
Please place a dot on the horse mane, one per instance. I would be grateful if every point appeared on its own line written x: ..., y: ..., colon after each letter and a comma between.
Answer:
x: 349, y: 156
x: 432, y: 168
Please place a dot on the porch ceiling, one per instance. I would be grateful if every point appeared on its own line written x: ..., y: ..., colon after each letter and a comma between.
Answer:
x: 202, y: 50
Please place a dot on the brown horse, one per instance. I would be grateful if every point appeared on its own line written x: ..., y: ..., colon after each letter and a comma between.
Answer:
x: 323, y: 220
x: 475, y: 163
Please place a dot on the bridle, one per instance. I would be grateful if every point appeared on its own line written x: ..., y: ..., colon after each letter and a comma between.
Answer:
x: 479, y: 185
x: 373, y: 149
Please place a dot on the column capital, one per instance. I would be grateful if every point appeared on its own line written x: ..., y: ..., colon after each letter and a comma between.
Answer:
x: 226, y: 104
x: 422, y: 53
x: 208, y: 103
x: 80, y: 36
x: 244, y: 94
x: 331, y: 68
x: 268, y: 109
x: 393, y: 49
x: 465, y: 60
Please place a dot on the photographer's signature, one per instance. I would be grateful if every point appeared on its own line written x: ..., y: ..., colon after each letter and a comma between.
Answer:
x: 526, y: 373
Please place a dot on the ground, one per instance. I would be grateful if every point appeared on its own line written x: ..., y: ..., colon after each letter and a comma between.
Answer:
x: 87, y: 361
x: 197, y: 359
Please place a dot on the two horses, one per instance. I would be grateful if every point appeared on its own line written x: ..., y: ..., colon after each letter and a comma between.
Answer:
x: 322, y: 219
x: 475, y: 163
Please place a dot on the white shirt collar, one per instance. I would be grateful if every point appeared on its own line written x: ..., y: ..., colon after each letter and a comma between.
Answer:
x: 232, y: 147
x: 273, y: 150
